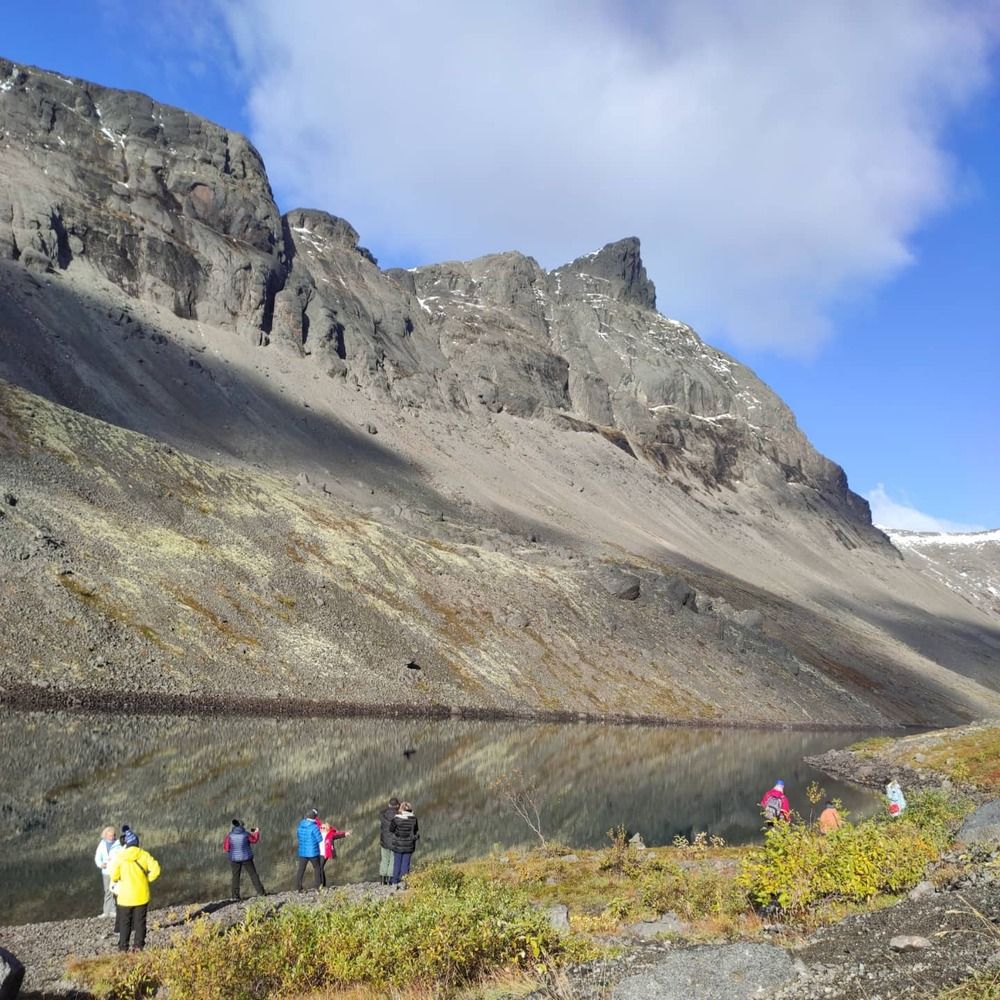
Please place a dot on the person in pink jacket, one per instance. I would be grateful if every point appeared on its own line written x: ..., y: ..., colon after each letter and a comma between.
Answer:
x: 774, y: 804
x: 328, y: 833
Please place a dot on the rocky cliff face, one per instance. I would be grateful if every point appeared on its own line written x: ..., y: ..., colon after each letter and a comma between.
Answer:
x: 179, y: 212
x: 147, y: 279
x: 164, y: 204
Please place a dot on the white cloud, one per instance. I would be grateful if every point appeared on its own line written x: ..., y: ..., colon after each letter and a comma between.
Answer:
x: 889, y: 513
x: 771, y: 157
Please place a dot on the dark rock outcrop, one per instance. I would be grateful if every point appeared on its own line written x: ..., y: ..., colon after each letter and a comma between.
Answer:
x: 983, y: 826
x: 624, y: 586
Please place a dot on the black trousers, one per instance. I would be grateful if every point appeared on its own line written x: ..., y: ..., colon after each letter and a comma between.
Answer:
x: 132, y: 918
x: 301, y: 870
x: 238, y: 867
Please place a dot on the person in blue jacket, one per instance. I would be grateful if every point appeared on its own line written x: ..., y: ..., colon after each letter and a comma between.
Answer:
x: 309, y: 837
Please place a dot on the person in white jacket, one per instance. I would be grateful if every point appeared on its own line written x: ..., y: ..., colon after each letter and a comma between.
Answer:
x: 107, y: 846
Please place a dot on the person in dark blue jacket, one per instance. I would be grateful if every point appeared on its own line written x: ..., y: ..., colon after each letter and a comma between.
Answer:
x: 309, y: 837
x: 404, y: 831
x: 238, y: 846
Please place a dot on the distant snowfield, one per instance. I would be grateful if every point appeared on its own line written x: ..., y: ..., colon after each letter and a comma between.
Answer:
x: 921, y: 538
x: 967, y: 562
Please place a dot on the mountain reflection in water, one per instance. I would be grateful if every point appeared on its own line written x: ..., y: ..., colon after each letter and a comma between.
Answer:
x: 179, y: 782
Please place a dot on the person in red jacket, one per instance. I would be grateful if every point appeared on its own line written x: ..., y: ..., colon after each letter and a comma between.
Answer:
x: 329, y: 834
x: 774, y: 804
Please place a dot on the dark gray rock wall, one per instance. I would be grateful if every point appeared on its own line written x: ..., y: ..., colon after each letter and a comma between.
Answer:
x: 166, y: 205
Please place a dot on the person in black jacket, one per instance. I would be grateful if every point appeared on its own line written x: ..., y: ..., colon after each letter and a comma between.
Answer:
x: 387, y: 815
x: 404, y: 832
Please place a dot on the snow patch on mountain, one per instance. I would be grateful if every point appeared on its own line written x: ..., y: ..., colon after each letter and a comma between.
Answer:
x: 912, y: 539
x: 967, y: 562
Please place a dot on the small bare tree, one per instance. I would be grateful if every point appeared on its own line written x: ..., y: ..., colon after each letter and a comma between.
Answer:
x: 521, y: 793
x: 815, y: 793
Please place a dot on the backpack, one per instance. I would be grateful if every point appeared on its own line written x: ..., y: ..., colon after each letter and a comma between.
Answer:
x: 772, y: 808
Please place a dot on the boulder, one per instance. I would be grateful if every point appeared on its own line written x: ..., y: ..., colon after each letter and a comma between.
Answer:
x: 722, y: 972
x: 983, y: 826
x: 558, y: 916
x: 750, y: 619
x: 920, y: 890
x: 667, y: 923
x: 624, y: 586
x: 909, y: 942
x: 680, y: 593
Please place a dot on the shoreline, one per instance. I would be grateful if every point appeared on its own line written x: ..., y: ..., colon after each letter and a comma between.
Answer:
x: 30, y: 697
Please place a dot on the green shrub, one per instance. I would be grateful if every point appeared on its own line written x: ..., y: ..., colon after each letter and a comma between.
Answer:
x: 620, y: 858
x: 937, y: 815
x: 694, y: 894
x: 448, y: 930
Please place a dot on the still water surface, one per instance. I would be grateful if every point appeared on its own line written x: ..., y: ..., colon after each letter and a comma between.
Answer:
x: 180, y: 781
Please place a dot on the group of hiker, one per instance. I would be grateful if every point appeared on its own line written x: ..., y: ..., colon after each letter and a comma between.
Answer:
x: 776, y: 808
x: 127, y: 870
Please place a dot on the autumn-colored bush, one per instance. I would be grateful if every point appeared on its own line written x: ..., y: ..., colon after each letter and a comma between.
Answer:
x: 799, y: 866
x: 448, y: 929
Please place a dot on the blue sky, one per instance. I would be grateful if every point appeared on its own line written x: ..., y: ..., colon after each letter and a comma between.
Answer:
x: 819, y: 196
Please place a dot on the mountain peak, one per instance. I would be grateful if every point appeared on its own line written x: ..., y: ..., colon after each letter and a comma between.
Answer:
x: 322, y: 229
x: 620, y: 265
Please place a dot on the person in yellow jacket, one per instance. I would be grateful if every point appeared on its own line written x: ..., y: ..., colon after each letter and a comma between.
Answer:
x: 131, y: 872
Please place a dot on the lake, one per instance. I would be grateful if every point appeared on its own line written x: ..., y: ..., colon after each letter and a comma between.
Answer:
x: 180, y: 781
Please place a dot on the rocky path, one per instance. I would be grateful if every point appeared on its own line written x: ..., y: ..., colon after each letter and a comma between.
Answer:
x: 952, y: 933
x: 916, y: 949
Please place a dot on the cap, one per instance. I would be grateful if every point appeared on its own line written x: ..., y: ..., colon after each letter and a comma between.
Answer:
x: 131, y: 840
x: 779, y: 784
x: 312, y: 814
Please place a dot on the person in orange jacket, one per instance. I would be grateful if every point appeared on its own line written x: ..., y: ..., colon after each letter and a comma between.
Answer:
x: 829, y: 819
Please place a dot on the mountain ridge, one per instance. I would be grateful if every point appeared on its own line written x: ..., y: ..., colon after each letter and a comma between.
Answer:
x: 150, y: 282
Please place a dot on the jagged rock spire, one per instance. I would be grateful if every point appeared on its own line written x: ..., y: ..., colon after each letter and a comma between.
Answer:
x: 618, y: 267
